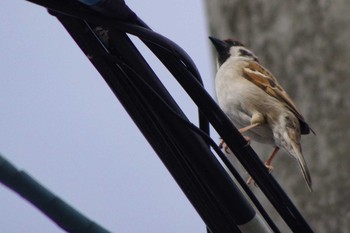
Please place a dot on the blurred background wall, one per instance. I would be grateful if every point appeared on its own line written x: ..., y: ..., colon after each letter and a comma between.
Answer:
x: 305, y: 44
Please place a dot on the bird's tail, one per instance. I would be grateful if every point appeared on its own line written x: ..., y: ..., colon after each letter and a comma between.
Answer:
x: 302, y: 164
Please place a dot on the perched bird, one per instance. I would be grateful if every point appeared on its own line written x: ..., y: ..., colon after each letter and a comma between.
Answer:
x: 256, y: 103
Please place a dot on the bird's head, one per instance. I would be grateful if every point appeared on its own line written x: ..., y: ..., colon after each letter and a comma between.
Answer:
x: 231, y: 48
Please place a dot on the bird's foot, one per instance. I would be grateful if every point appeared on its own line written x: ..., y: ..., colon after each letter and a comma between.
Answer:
x: 250, y: 180
x: 248, y: 139
x: 269, y: 167
x: 222, y: 144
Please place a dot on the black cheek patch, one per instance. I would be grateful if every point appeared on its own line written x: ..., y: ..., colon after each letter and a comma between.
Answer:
x: 223, y: 57
x: 245, y: 53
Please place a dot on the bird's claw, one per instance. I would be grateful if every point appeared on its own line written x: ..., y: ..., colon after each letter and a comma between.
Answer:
x: 269, y: 167
x: 223, y: 145
x: 251, y: 180
x: 248, y: 139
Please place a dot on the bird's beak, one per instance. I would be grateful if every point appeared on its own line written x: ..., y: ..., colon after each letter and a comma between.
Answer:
x: 220, y: 45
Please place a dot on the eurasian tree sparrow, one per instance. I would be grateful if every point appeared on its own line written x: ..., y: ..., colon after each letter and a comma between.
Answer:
x: 256, y: 104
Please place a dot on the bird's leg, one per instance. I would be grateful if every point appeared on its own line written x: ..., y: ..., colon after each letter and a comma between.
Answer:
x: 269, y: 160
x: 245, y: 129
x: 267, y: 164
x: 257, y: 119
x: 249, y: 127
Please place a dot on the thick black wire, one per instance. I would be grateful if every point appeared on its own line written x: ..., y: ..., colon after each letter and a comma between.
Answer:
x: 272, y: 190
x: 159, y: 41
x: 110, y: 71
x: 148, y: 36
x: 208, y: 139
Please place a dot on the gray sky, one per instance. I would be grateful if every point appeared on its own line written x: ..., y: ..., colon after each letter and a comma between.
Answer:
x: 61, y: 123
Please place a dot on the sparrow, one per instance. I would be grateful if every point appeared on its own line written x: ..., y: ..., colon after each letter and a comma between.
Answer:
x: 256, y: 103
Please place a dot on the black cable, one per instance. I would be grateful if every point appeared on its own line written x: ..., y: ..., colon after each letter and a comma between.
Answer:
x: 245, y: 155
x: 181, y: 68
x: 164, y: 43
x: 218, y: 208
x: 210, y: 142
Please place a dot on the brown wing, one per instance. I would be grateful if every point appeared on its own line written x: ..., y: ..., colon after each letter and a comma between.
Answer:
x: 262, y: 78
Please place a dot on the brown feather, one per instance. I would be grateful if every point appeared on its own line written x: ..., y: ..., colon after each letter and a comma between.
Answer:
x: 262, y: 78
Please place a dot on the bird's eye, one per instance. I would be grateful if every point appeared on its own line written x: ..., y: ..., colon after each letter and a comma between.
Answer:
x: 236, y: 43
